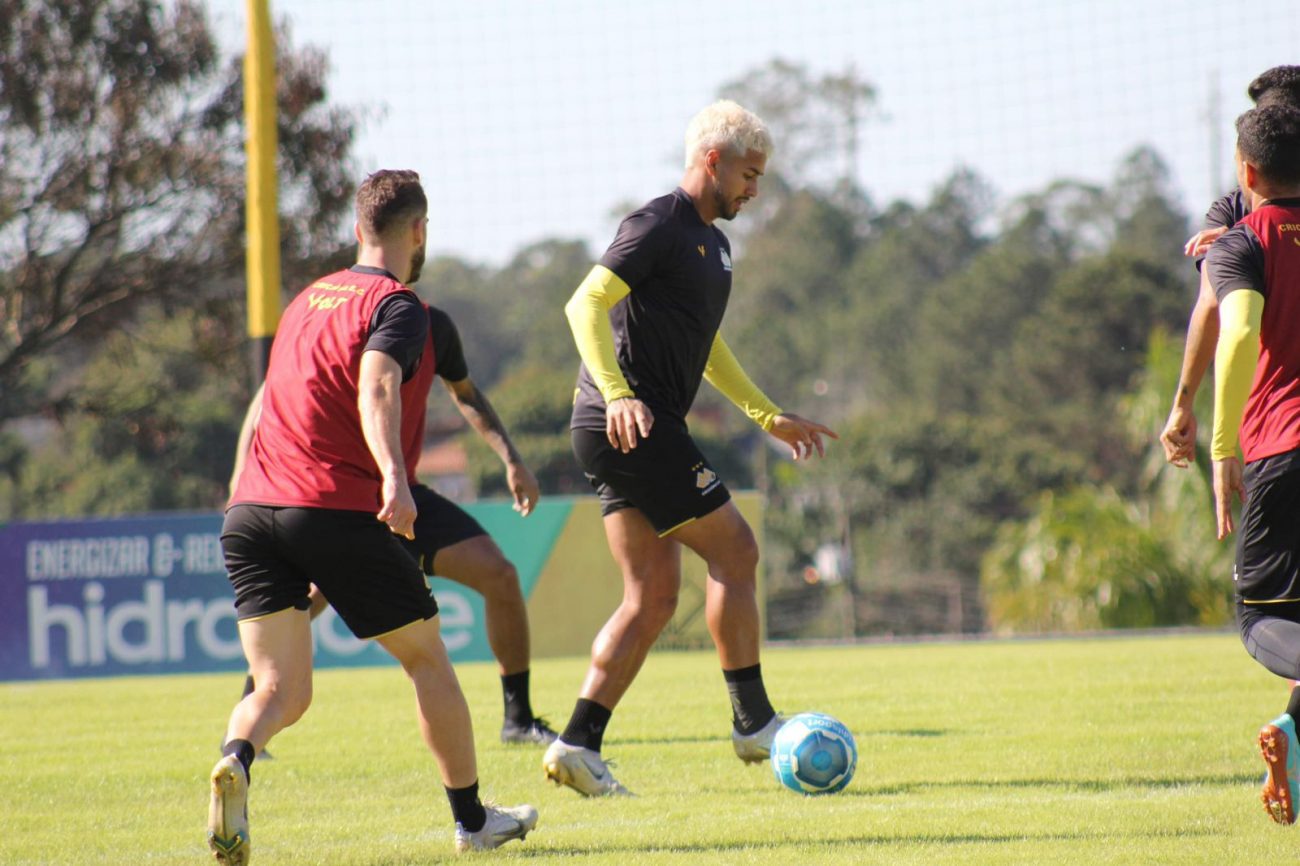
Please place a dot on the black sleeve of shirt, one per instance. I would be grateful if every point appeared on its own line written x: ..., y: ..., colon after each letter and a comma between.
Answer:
x: 448, y: 354
x: 399, y: 328
x: 642, y: 239
x: 1236, y: 261
x: 1225, y: 213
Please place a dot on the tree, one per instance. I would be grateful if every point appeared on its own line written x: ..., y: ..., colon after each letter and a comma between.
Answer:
x: 122, y: 173
x: 1089, y: 557
x: 789, y: 298
x: 534, y: 401
x: 152, y: 425
x: 908, y: 253
x: 816, y: 122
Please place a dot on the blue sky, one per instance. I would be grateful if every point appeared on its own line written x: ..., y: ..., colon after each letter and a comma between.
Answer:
x: 530, y: 119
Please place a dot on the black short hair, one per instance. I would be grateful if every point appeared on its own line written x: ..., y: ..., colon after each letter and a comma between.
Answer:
x: 387, y: 197
x: 1269, y: 139
x: 1277, y: 86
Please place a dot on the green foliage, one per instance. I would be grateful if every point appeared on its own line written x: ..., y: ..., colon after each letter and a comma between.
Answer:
x: 790, y: 292
x: 816, y: 123
x: 122, y: 173
x: 908, y: 253
x: 534, y: 402
x: 153, y: 426
x: 986, y: 365
x: 1090, y: 558
x: 1086, y: 560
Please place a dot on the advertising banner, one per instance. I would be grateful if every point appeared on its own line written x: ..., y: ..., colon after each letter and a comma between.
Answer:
x: 149, y: 595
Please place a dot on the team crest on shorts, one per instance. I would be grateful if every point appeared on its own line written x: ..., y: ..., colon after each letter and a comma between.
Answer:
x: 705, y: 478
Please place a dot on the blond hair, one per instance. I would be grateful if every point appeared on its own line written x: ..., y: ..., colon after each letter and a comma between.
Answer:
x: 725, y: 124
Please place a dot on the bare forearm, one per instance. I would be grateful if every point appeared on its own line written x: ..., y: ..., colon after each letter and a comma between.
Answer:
x: 1202, y: 336
x: 380, y: 405
x: 475, y: 407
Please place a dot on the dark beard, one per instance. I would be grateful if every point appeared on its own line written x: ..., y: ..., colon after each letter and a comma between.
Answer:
x: 726, y: 209
x: 417, y: 262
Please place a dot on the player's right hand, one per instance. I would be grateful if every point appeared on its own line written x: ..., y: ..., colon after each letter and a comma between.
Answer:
x: 625, y: 419
x: 1179, y: 437
x: 1199, y: 244
x: 398, y: 507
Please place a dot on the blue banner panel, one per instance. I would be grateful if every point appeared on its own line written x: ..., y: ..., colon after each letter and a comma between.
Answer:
x: 111, y: 597
x: 149, y: 595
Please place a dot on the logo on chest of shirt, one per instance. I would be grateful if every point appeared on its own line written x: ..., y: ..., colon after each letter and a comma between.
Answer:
x: 726, y: 259
x: 701, y: 249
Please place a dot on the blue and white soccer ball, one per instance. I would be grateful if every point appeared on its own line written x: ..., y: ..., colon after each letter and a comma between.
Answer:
x: 814, y: 753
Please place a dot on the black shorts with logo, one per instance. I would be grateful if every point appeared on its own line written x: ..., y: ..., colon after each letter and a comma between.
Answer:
x: 274, y: 554
x: 665, y: 476
x: 1267, y: 570
x: 439, y: 523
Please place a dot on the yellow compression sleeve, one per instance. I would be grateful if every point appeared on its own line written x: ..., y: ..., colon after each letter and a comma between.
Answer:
x: 588, y: 315
x: 724, y: 372
x: 1235, y: 357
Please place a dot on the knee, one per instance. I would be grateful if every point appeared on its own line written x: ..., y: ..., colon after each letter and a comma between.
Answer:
x: 655, y: 611
x: 501, y: 581
x: 740, y: 563
x: 291, y: 699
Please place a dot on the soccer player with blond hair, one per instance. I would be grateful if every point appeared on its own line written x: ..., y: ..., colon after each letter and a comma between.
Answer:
x: 646, y: 322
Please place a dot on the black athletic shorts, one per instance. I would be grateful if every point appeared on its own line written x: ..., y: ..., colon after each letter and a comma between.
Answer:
x: 439, y: 523
x: 1267, y: 570
x: 274, y: 554
x: 665, y: 476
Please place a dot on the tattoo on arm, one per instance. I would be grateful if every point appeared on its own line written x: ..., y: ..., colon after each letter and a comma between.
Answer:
x: 485, y: 419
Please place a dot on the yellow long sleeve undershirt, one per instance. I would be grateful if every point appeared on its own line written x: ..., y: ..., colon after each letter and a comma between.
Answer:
x: 588, y: 315
x: 1235, y: 357
x: 724, y: 372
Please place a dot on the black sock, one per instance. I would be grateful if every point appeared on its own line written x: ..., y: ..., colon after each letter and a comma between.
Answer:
x: 466, y: 808
x: 248, y: 686
x: 244, y: 751
x: 587, y: 725
x: 1293, y: 705
x: 514, y: 688
x: 750, y: 708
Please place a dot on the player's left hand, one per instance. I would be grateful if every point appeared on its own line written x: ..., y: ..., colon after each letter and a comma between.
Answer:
x: 523, y: 487
x: 803, y: 436
x: 1199, y: 244
x: 1227, y: 481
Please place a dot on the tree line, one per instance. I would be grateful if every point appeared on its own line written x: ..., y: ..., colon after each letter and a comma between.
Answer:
x: 997, y: 371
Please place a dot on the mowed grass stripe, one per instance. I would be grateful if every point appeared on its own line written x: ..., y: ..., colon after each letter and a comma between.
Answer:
x: 1117, y: 750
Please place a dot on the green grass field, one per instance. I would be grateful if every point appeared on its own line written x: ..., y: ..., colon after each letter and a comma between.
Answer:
x: 1127, y: 751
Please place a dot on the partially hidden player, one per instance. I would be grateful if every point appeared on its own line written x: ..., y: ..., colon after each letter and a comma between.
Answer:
x: 646, y: 322
x: 322, y: 497
x: 448, y: 541
x: 1279, y: 85
x: 1254, y: 270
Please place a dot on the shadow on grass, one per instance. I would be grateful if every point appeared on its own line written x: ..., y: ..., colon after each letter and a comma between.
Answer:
x: 879, y: 841
x: 1091, y: 785
x: 615, y: 742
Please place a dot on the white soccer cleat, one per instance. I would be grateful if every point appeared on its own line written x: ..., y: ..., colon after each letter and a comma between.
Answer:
x: 504, y: 823
x: 757, y: 747
x: 582, y: 770
x: 228, y: 813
